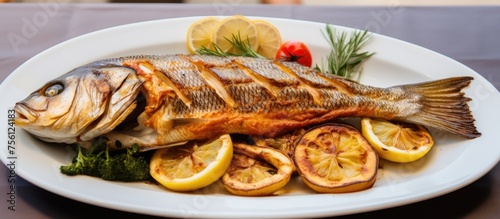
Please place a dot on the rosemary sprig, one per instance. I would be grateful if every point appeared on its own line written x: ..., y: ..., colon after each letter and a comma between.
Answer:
x: 217, y: 51
x: 345, y: 58
x: 243, y: 47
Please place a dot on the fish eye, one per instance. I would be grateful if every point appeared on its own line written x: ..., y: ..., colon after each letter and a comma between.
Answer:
x: 53, y: 90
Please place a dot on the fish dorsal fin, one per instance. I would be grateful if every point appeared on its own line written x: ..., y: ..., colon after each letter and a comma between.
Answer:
x: 155, y: 147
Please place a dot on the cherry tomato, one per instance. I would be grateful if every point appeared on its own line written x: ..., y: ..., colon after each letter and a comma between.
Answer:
x: 295, y: 51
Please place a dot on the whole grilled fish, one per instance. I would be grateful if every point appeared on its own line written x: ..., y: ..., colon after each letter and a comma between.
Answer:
x: 158, y: 101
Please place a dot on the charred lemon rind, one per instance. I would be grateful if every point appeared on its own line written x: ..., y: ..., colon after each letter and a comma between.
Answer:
x: 341, y: 188
x: 163, y: 163
x: 337, y: 153
x: 418, y: 143
x: 267, y: 186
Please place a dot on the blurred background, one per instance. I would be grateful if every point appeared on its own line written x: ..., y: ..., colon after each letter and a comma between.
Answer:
x: 305, y: 2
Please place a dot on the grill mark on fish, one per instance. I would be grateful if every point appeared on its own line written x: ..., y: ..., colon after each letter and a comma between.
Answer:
x: 180, y: 71
x: 316, y: 95
x: 307, y: 74
x: 159, y: 83
x: 341, y: 87
x: 259, y: 79
x: 229, y: 73
x: 212, y: 80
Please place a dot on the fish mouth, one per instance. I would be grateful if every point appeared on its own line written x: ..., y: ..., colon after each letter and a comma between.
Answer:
x: 24, y: 114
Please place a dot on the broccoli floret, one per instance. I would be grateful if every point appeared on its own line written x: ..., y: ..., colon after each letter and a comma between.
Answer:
x: 120, y: 166
x: 125, y: 166
x: 84, y: 163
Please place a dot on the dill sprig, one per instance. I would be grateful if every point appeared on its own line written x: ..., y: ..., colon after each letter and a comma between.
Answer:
x: 243, y: 47
x: 345, y: 57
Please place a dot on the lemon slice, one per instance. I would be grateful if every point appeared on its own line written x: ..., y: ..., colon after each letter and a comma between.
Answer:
x: 200, y: 34
x: 257, y: 171
x: 398, y: 142
x: 235, y: 25
x: 335, y: 158
x: 192, y: 166
x: 269, y: 38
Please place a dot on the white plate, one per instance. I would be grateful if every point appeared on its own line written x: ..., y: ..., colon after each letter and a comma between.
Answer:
x: 453, y: 162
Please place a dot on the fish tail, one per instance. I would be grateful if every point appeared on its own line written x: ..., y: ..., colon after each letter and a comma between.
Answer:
x: 444, y: 106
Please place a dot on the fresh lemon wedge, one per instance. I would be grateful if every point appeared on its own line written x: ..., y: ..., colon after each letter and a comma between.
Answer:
x: 257, y: 171
x: 200, y: 34
x: 269, y: 38
x: 192, y: 166
x: 398, y: 142
x: 232, y: 26
x: 335, y: 158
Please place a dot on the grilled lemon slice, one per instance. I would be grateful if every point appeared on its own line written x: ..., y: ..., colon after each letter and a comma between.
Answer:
x: 398, y: 142
x: 335, y: 158
x: 192, y: 166
x: 257, y: 171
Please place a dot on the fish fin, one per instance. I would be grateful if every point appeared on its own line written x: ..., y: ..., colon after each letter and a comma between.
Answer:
x: 148, y: 148
x: 444, y: 106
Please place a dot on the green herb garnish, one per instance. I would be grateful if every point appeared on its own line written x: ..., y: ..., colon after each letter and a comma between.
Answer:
x: 243, y: 47
x: 126, y: 165
x: 345, y: 57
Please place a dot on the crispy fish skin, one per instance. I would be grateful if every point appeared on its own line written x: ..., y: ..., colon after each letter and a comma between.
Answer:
x: 192, y: 97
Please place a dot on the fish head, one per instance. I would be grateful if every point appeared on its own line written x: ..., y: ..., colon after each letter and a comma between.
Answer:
x: 81, y: 104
